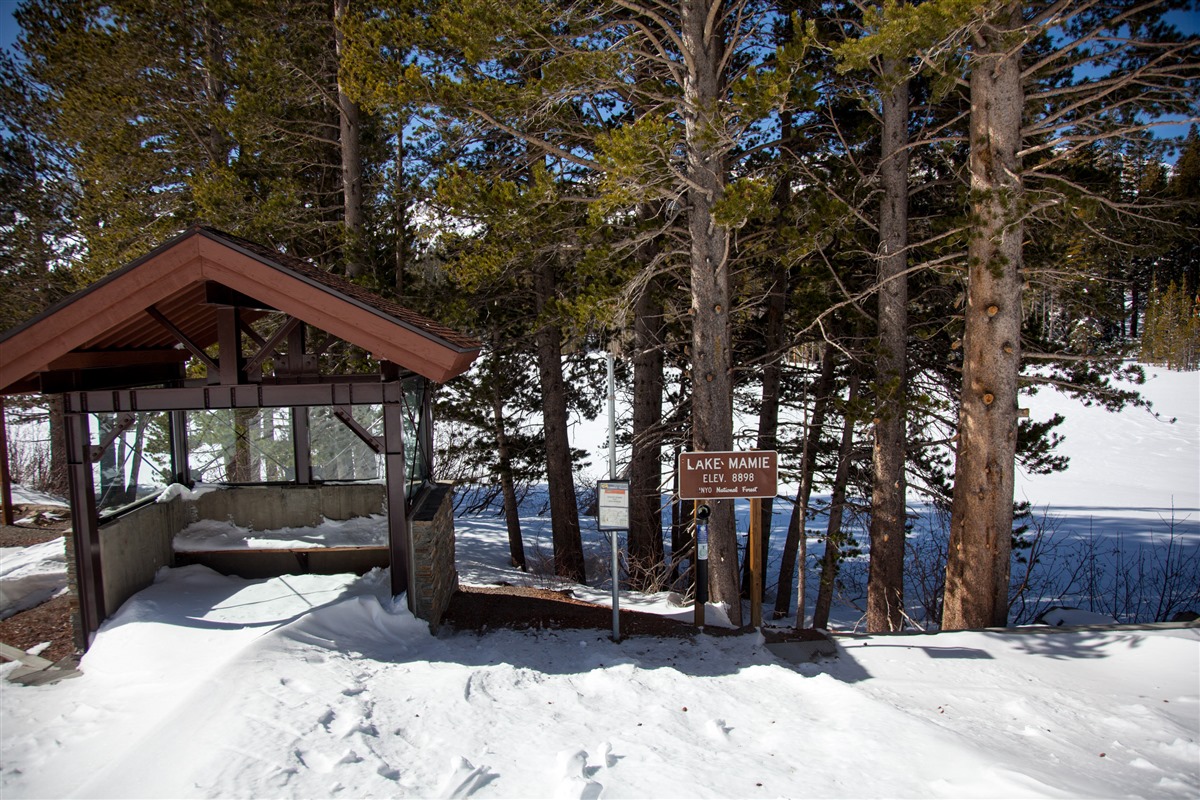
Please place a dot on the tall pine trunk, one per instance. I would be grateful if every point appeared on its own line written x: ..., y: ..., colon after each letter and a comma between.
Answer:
x: 795, y: 545
x: 512, y: 517
x: 768, y: 414
x: 57, y: 484
x: 885, y: 583
x: 564, y: 509
x: 401, y: 206
x: 712, y: 373
x: 350, y: 143
x: 977, y: 568
x: 645, y: 465
x: 837, y: 511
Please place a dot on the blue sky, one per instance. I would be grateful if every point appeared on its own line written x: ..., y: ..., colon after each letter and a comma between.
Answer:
x: 8, y: 25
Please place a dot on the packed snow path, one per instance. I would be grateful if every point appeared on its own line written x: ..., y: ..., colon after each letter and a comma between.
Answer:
x: 312, y: 686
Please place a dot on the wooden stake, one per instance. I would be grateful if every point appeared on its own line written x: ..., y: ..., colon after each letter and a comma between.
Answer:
x: 756, y: 577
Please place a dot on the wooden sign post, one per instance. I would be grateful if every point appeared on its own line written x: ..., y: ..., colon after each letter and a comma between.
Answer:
x: 753, y: 552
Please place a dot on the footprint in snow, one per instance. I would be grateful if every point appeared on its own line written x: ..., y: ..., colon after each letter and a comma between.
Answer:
x: 573, y: 783
x: 325, y: 762
x: 463, y: 779
x: 717, y: 729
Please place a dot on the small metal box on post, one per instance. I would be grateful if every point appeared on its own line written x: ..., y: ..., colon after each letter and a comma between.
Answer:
x: 703, y: 512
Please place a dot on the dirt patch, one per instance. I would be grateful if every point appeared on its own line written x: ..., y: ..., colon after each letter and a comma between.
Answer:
x: 49, y: 622
x: 478, y: 608
x: 44, y: 523
x: 12, y: 536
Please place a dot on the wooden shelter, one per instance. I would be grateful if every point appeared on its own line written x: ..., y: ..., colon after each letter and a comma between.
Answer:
x: 120, y: 348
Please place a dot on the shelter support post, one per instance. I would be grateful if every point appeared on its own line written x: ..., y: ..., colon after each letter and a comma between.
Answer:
x: 179, y: 448
x: 425, y: 430
x: 399, y: 542
x: 5, y: 478
x: 89, y: 575
x: 302, y: 445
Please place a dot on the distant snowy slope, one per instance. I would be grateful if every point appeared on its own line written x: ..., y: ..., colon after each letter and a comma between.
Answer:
x: 1129, y: 460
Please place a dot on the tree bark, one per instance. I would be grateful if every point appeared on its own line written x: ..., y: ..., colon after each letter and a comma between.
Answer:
x: 977, y: 568
x: 349, y: 119
x: 795, y: 545
x: 512, y: 517
x: 112, y: 474
x: 837, y: 508
x: 1134, y: 302
x: 564, y: 509
x: 768, y: 414
x: 885, y: 583
x: 218, y: 92
x: 712, y: 373
x: 401, y: 201
x: 240, y: 465
x: 645, y: 465
x: 57, y: 484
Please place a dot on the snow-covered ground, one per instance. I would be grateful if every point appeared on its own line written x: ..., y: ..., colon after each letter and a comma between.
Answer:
x: 1133, y: 470
x: 211, y: 534
x: 29, y: 576
x: 324, y: 686
x: 205, y: 686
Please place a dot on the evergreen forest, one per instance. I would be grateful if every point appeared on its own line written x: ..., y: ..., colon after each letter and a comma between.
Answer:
x: 856, y: 233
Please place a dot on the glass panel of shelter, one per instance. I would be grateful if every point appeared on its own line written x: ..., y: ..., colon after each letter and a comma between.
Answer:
x: 251, y: 446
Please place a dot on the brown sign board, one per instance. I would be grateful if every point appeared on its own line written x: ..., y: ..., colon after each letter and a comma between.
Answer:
x: 728, y: 475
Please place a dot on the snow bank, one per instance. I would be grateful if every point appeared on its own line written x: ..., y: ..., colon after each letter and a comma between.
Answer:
x: 183, y: 492
x: 1128, y: 465
x: 312, y: 686
x: 32, y: 497
x: 210, y: 534
x: 29, y: 576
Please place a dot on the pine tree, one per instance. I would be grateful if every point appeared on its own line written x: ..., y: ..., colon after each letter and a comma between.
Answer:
x: 1030, y: 115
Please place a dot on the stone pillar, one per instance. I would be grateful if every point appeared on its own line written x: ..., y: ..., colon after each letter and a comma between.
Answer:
x: 435, y: 578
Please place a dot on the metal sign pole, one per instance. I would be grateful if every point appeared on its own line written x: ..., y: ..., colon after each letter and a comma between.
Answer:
x: 612, y: 475
x: 612, y: 515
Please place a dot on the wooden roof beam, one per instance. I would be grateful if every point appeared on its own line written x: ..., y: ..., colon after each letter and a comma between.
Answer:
x: 195, y: 350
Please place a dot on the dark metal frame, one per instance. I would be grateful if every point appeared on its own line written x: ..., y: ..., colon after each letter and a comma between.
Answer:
x: 298, y: 388
x: 137, y: 326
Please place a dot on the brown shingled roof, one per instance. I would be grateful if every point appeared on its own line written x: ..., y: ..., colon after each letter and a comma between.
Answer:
x: 109, y: 325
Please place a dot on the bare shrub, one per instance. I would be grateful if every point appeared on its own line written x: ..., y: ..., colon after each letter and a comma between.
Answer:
x: 1145, y: 581
x: 925, y: 565
x: 29, y: 458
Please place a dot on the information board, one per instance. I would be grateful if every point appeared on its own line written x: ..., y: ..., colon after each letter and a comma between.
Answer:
x: 612, y: 505
x: 728, y: 475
